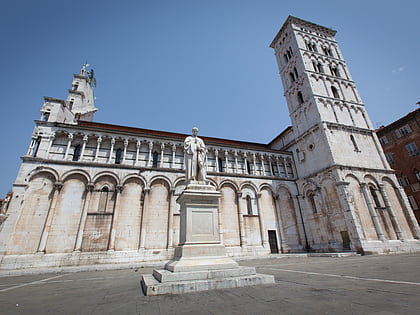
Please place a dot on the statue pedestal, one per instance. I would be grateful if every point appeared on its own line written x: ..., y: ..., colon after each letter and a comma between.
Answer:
x: 200, y: 262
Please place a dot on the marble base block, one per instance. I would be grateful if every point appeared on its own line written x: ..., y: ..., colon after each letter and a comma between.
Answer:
x: 200, y: 262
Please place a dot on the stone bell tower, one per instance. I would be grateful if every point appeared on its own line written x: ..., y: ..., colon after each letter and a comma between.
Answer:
x: 350, y: 195
x: 81, y: 100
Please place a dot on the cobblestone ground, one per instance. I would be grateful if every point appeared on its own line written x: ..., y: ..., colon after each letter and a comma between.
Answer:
x: 307, y: 285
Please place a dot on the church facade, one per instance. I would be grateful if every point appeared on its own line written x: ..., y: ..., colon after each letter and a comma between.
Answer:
x: 95, y: 193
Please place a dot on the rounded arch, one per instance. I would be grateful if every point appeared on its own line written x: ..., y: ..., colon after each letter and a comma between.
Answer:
x: 40, y: 169
x: 162, y: 178
x: 371, y: 179
x: 347, y: 176
x: 133, y: 176
x: 106, y: 173
x: 248, y: 183
x: 80, y: 172
x: 228, y: 182
x: 267, y: 187
x: 179, y: 181
x: 389, y: 180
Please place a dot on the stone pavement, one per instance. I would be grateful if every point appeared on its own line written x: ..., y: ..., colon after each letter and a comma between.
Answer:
x: 305, y: 285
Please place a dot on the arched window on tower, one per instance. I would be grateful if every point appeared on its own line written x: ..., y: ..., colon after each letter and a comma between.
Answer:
x: 334, y: 92
x: 300, y: 97
x: 103, y: 199
x: 118, y: 155
x: 155, y: 159
x: 375, y: 197
x: 296, y: 73
x: 334, y: 71
x: 292, y: 77
x: 312, y: 201
x: 76, y: 153
x: 36, y: 146
x: 249, y: 204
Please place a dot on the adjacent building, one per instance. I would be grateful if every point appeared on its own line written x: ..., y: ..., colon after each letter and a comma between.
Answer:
x: 90, y: 193
x: 401, y: 142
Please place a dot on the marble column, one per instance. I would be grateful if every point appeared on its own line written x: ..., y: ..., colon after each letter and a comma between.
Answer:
x: 83, y: 217
x: 143, y: 228
x: 69, y: 141
x: 242, y: 234
x: 98, y: 146
x: 50, y: 216
x: 411, y: 219
x: 170, y: 240
x: 138, y: 144
x: 264, y: 240
x: 111, y: 151
x: 394, y: 220
x: 50, y: 143
x: 162, y: 151
x: 262, y: 165
x: 125, y: 150
x: 118, y: 191
x: 85, y: 140
x: 279, y: 221
x: 173, y: 156
x: 150, y: 159
x: 372, y: 211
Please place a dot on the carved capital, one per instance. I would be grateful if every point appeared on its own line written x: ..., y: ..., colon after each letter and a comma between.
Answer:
x: 85, y: 138
x: 99, y: 140
x: 58, y: 185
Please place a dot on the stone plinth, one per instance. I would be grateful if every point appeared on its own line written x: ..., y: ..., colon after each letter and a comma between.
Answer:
x: 200, y: 262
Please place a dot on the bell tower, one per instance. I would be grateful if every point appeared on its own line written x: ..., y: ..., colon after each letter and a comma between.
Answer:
x: 81, y: 100
x: 330, y: 123
x: 350, y: 196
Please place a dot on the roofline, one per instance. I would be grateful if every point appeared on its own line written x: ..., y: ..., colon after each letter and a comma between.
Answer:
x: 394, y: 124
x: 280, y: 135
x: 173, y: 135
x: 52, y: 99
x: 292, y: 19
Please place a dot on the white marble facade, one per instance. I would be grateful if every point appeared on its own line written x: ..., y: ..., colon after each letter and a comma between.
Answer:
x: 89, y: 193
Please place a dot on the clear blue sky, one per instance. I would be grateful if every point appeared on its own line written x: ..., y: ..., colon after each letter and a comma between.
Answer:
x: 169, y: 65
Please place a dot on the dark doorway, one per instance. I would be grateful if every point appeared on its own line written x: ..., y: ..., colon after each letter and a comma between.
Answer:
x: 272, y: 240
x: 346, y: 240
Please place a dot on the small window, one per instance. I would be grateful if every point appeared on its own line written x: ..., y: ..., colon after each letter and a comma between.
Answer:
x: 404, y: 181
x: 374, y: 194
x: 313, y: 203
x: 311, y: 47
x: 248, y: 166
x: 334, y: 71
x: 292, y: 77
x: 412, y: 149
x: 327, y: 51
x: 103, y: 199
x: 286, y: 58
x: 75, y: 87
x: 300, y: 98
x: 249, y: 204
x: 45, y: 116
x: 155, y: 159
x: 335, y: 92
x: 76, y: 154
x: 71, y: 103
x: 390, y: 158
x: 413, y: 202
x: 36, y: 146
x: 404, y: 130
x: 383, y: 140
x: 353, y: 141
x: 118, y: 155
x: 296, y: 73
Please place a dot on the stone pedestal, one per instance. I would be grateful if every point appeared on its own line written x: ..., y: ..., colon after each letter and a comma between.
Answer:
x: 200, y: 262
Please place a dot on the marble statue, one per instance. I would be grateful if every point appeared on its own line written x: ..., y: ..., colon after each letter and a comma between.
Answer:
x: 195, y: 158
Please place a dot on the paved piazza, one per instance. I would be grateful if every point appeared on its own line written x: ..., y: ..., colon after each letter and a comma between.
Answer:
x: 304, y: 285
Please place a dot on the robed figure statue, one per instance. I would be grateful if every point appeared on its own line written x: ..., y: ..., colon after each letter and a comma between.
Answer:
x: 195, y: 157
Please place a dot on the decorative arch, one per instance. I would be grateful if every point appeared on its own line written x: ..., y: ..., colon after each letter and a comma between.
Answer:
x: 163, y: 178
x: 132, y: 176
x: 106, y: 173
x: 41, y: 169
x: 228, y: 182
